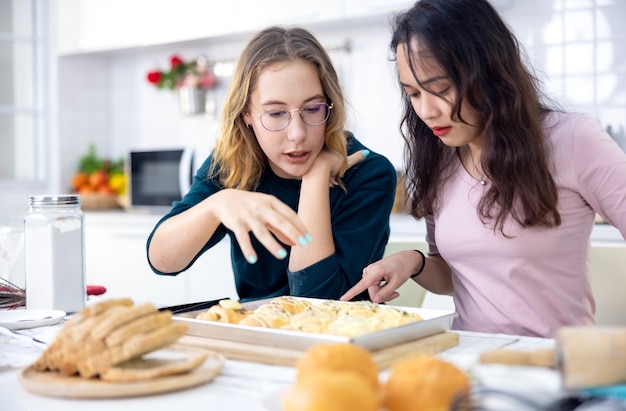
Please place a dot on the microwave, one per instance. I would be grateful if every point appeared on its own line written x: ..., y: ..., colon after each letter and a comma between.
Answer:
x: 159, y: 177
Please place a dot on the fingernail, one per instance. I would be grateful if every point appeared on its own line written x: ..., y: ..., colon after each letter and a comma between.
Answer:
x: 302, y: 241
x: 365, y: 153
x: 282, y: 253
x: 252, y: 259
x: 308, y: 238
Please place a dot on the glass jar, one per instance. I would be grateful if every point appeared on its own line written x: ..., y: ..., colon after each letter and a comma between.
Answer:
x: 54, y: 250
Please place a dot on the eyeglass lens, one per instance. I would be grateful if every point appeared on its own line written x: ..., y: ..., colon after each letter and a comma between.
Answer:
x: 313, y: 115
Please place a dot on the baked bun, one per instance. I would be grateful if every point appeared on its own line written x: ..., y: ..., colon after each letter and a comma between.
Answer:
x: 424, y: 383
x: 330, y: 390
x: 267, y: 316
x: 226, y: 311
x: 291, y: 304
x: 339, y: 357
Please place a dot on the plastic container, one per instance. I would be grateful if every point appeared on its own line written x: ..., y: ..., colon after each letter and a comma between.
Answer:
x: 54, y: 250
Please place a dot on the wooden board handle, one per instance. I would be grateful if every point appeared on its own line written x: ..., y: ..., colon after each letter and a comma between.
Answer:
x: 540, y: 358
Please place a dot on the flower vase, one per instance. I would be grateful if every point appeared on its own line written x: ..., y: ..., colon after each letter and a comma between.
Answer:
x: 192, y: 100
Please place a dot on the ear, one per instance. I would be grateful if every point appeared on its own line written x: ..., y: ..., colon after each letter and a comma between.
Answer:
x: 247, y: 118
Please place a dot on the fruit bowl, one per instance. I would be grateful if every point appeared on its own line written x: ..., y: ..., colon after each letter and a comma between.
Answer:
x: 99, y: 201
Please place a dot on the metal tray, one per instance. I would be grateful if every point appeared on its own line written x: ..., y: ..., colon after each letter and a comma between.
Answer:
x: 434, y: 322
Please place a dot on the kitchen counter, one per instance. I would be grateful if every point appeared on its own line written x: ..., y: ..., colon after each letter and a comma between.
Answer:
x: 258, y: 387
x: 405, y: 228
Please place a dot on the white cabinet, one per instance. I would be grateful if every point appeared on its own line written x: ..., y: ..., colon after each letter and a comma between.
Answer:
x: 96, y: 25
x: 116, y: 258
x: 254, y: 15
x: 365, y: 8
x: 85, y: 26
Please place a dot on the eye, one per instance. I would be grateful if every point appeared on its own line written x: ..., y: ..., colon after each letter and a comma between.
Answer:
x: 312, y: 109
x: 412, y: 93
x: 443, y: 90
x: 277, y: 113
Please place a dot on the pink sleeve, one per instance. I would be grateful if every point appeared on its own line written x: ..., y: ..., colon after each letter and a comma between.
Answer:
x: 599, y: 166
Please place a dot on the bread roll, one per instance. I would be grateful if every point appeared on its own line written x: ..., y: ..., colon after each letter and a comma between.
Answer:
x: 337, y: 357
x: 424, y: 383
x: 326, y: 390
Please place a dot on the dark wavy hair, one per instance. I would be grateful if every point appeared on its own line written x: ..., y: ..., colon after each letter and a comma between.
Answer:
x: 483, y: 60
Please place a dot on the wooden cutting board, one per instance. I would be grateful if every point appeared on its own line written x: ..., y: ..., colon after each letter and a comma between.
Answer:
x: 283, y: 356
x: 54, y: 384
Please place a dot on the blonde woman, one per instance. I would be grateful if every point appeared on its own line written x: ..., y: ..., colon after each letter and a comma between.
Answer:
x: 305, y: 204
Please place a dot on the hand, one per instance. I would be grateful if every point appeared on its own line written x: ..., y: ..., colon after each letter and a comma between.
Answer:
x: 243, y: 212
x: 382, y: 278
x: 331, y: 161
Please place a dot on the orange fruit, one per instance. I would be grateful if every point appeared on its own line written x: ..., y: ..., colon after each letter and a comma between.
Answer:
x: 98, y: 179
x: 80, y: 180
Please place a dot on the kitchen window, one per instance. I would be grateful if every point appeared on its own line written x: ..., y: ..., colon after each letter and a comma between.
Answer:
x: 23, y: 91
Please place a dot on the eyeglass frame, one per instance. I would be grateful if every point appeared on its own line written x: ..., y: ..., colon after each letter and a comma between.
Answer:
x: 329, y: 107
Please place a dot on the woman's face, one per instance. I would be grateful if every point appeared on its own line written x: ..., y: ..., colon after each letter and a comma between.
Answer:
x: 436, y: 110
x: 289, y: 86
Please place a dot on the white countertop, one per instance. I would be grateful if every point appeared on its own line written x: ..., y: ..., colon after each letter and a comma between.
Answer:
x: 251, y: 386
x: 405, y: 228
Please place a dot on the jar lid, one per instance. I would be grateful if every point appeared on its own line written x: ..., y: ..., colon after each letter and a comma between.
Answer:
x: 62, y: 199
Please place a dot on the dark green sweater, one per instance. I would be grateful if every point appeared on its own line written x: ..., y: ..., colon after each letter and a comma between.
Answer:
x: 360, y: 226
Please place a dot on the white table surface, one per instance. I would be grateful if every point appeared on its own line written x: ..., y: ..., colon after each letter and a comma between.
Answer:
x: 251, y: 386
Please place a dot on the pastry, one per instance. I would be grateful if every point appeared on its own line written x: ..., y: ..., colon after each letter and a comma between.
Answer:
x: 339, y: 357
x: 291, y: 304
x: 267, y: 316
x: 226, y: 311
x: 424, y: 383
x: 312, y: 320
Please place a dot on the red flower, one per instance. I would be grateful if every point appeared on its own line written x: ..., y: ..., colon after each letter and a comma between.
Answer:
x: 154, y: 77
x: 196, y: 73
x: 175, y: 61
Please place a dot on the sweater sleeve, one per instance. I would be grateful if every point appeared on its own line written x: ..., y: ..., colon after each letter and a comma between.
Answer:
x: 360, y: 225
x: 201, y: 188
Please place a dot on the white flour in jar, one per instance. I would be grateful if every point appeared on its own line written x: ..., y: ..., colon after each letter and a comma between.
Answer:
x: 54, y: 252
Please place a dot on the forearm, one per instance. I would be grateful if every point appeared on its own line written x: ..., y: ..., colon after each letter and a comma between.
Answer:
x: 314, y: 211
x: 179, y: 239
x: 436, y: 276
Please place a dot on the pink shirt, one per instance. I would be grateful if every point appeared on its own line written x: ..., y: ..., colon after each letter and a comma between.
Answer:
x: 538, y: 280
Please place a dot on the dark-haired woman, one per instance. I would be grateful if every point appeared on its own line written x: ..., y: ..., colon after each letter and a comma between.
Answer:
x: 508, y: 185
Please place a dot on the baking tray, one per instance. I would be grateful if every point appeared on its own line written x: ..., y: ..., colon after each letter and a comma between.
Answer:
x: 434, y: 322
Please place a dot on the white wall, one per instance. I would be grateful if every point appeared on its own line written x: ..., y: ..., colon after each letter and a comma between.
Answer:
x: 578, y: 49
x: 104, y: 98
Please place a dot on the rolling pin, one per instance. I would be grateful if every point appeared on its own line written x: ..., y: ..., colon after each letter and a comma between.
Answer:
x: 584, y: 356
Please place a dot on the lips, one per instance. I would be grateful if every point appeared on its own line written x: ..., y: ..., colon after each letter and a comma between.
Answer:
x: 440, y: 131
x: 297, y: 156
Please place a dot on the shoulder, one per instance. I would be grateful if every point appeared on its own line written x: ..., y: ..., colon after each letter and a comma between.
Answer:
x: 573, y: 127
x: 375, y: 166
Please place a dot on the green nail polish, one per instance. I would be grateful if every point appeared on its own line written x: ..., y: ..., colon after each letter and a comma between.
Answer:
x: 282, y: 253
x: 365, y: 153
x: 308, y: 238
x: 251, y: 259
x: 302, y: 241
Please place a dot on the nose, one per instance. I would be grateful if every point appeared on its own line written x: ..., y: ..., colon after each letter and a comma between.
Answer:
x: 427, y: 106
x: 296, y: 130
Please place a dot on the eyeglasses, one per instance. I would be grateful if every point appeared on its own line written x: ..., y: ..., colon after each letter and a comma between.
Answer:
x: 313, y: 115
